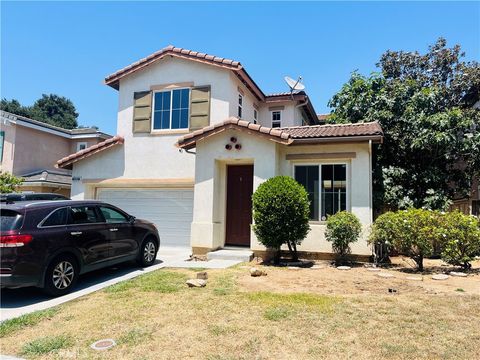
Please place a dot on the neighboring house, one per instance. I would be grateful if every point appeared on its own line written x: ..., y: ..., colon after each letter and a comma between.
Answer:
x: 470, y: 204
x: 30, y: 149
x: 196, y: 136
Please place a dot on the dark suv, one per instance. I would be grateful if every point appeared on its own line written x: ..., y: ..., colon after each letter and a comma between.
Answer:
x: 49, y: 243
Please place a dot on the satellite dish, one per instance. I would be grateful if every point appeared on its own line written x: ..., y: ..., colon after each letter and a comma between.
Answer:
x: 294, y: 85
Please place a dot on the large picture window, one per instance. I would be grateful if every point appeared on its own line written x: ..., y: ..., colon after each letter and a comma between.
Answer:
x: 170, y: 109
x: 327, y: 196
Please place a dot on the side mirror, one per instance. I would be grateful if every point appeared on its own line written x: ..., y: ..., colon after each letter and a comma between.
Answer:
x: 132, y: 219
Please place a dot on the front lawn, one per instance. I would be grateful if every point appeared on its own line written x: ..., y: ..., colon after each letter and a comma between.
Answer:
x: 288, y: 314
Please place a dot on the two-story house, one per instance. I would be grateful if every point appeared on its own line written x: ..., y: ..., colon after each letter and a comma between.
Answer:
x: 31, y: 148
x: 196, y: 136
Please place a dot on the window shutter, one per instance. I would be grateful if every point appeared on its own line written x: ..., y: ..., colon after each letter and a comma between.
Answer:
x: 199, y: 107
x: 142, y: 112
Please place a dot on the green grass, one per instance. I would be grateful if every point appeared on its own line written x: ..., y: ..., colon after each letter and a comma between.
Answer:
x: 460, y: 290
x: 7, y: 327
x: 157, y: 281
x: 135, y: 336
x: 46, y: 345
x: 277, y: 313
x: 218, y: 330
x: 319, y: 302
x: 224, y: 285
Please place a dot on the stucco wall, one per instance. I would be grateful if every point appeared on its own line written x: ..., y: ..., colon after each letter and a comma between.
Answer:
x: 8, y: 147
x: 268, y: 158
x: 37, y: 150
x: 208, y: 226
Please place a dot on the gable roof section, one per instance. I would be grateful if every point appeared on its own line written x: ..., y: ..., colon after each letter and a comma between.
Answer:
x: 68, y: 161
x: 56, y: 130
x: 290, y: 135
x: 113, y: 80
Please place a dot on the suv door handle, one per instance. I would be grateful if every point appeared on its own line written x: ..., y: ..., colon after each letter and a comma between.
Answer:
x: 76, y: 233
x: 114, y: 229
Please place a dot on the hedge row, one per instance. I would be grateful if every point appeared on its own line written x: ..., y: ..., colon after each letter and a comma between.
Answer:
x: 417, y: 233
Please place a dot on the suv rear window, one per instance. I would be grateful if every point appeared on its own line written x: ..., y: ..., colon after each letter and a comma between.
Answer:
x: 10, y: 220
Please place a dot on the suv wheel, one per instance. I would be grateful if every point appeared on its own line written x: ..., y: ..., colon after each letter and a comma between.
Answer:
x: 61, y: 275
x: 148, y: 252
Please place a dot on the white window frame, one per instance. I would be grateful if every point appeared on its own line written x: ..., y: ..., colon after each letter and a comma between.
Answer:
x: 240, y: 106
x: 347, y: 179
x: 79, y: 144
x: 171, y: 112
x: 276, y: 121
x: 255, y: 116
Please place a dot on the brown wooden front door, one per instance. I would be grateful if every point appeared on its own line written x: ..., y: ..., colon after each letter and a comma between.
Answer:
x: 239, y: 204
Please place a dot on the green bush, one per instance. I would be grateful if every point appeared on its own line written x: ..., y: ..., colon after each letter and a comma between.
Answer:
x: 459, y: 238
x: 417, y: 233
x: 410, y: 232
x: 281, y: 213
x: 343, y: 229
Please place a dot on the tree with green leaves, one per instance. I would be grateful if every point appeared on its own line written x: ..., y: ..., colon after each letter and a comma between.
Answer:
x: 8, y: 182
x: 425, y: 105
x: 51, y: 109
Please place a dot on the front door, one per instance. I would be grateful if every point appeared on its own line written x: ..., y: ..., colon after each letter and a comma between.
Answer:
x: 239, y: 204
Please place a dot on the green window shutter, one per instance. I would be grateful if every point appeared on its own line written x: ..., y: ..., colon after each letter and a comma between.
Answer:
x: 199, y: 107
x: 142, y: 112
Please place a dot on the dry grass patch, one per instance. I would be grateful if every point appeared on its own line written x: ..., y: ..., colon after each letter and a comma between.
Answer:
x: 157, y: 317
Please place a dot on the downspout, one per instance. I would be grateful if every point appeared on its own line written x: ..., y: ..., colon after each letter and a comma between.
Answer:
x: 302, y: 104
x: 370, y: 190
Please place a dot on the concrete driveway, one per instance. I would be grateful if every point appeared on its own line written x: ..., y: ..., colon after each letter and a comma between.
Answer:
x: 16, y: 302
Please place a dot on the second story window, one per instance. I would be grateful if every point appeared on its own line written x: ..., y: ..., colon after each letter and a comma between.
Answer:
x: 171, y: 109
x: 240, y: 105
x: 255, y: 116
x: 81, y: 146
x: 276, y: 119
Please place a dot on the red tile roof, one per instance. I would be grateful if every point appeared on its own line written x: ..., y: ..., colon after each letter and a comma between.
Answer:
x: 189, y: 141
x: 67, y: 161
x: 289, y: 135
x: 334, y: 130
x: 113, y: 79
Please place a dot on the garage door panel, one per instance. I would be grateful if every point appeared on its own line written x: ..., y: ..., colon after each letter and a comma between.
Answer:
x: 170, y: 210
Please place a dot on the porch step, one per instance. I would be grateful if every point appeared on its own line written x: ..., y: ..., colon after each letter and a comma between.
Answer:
x: 231, y: 254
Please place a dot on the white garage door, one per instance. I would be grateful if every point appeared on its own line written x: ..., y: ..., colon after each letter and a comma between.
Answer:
x: 170, y: 210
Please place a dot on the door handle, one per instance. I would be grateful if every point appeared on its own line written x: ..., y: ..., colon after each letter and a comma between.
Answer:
x: 76, y: 233
x: 114, y: 229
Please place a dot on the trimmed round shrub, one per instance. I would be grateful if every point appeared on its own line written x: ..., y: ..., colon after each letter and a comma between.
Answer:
x: 459, y: 238
x: 281, y: 214
x: 383, y: 231
x: 343, y: 229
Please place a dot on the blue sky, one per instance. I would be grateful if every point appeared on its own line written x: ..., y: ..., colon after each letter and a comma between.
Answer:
x: 67, y: 48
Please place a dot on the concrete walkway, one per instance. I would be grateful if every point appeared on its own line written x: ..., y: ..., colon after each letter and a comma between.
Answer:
x: 17, y: 302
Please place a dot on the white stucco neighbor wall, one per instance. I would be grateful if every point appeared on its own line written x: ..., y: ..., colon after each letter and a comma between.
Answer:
x: 268, y: 158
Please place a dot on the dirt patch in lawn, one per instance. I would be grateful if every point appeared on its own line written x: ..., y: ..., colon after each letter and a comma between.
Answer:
x: 326, y: 279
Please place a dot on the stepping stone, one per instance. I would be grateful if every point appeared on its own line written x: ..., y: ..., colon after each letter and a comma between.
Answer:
x: 374, y: 269
x: 316, y: 267
x: 343, y: 267
x: 385, y: 275
x: 293, y: 268
x: 103, y: 344
x: 459, y: 274
x: 414, y: 278
x: 440, y: 277
x: 196, y: 283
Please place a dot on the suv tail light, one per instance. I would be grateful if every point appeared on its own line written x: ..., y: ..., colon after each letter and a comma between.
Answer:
x: 14, y: 240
